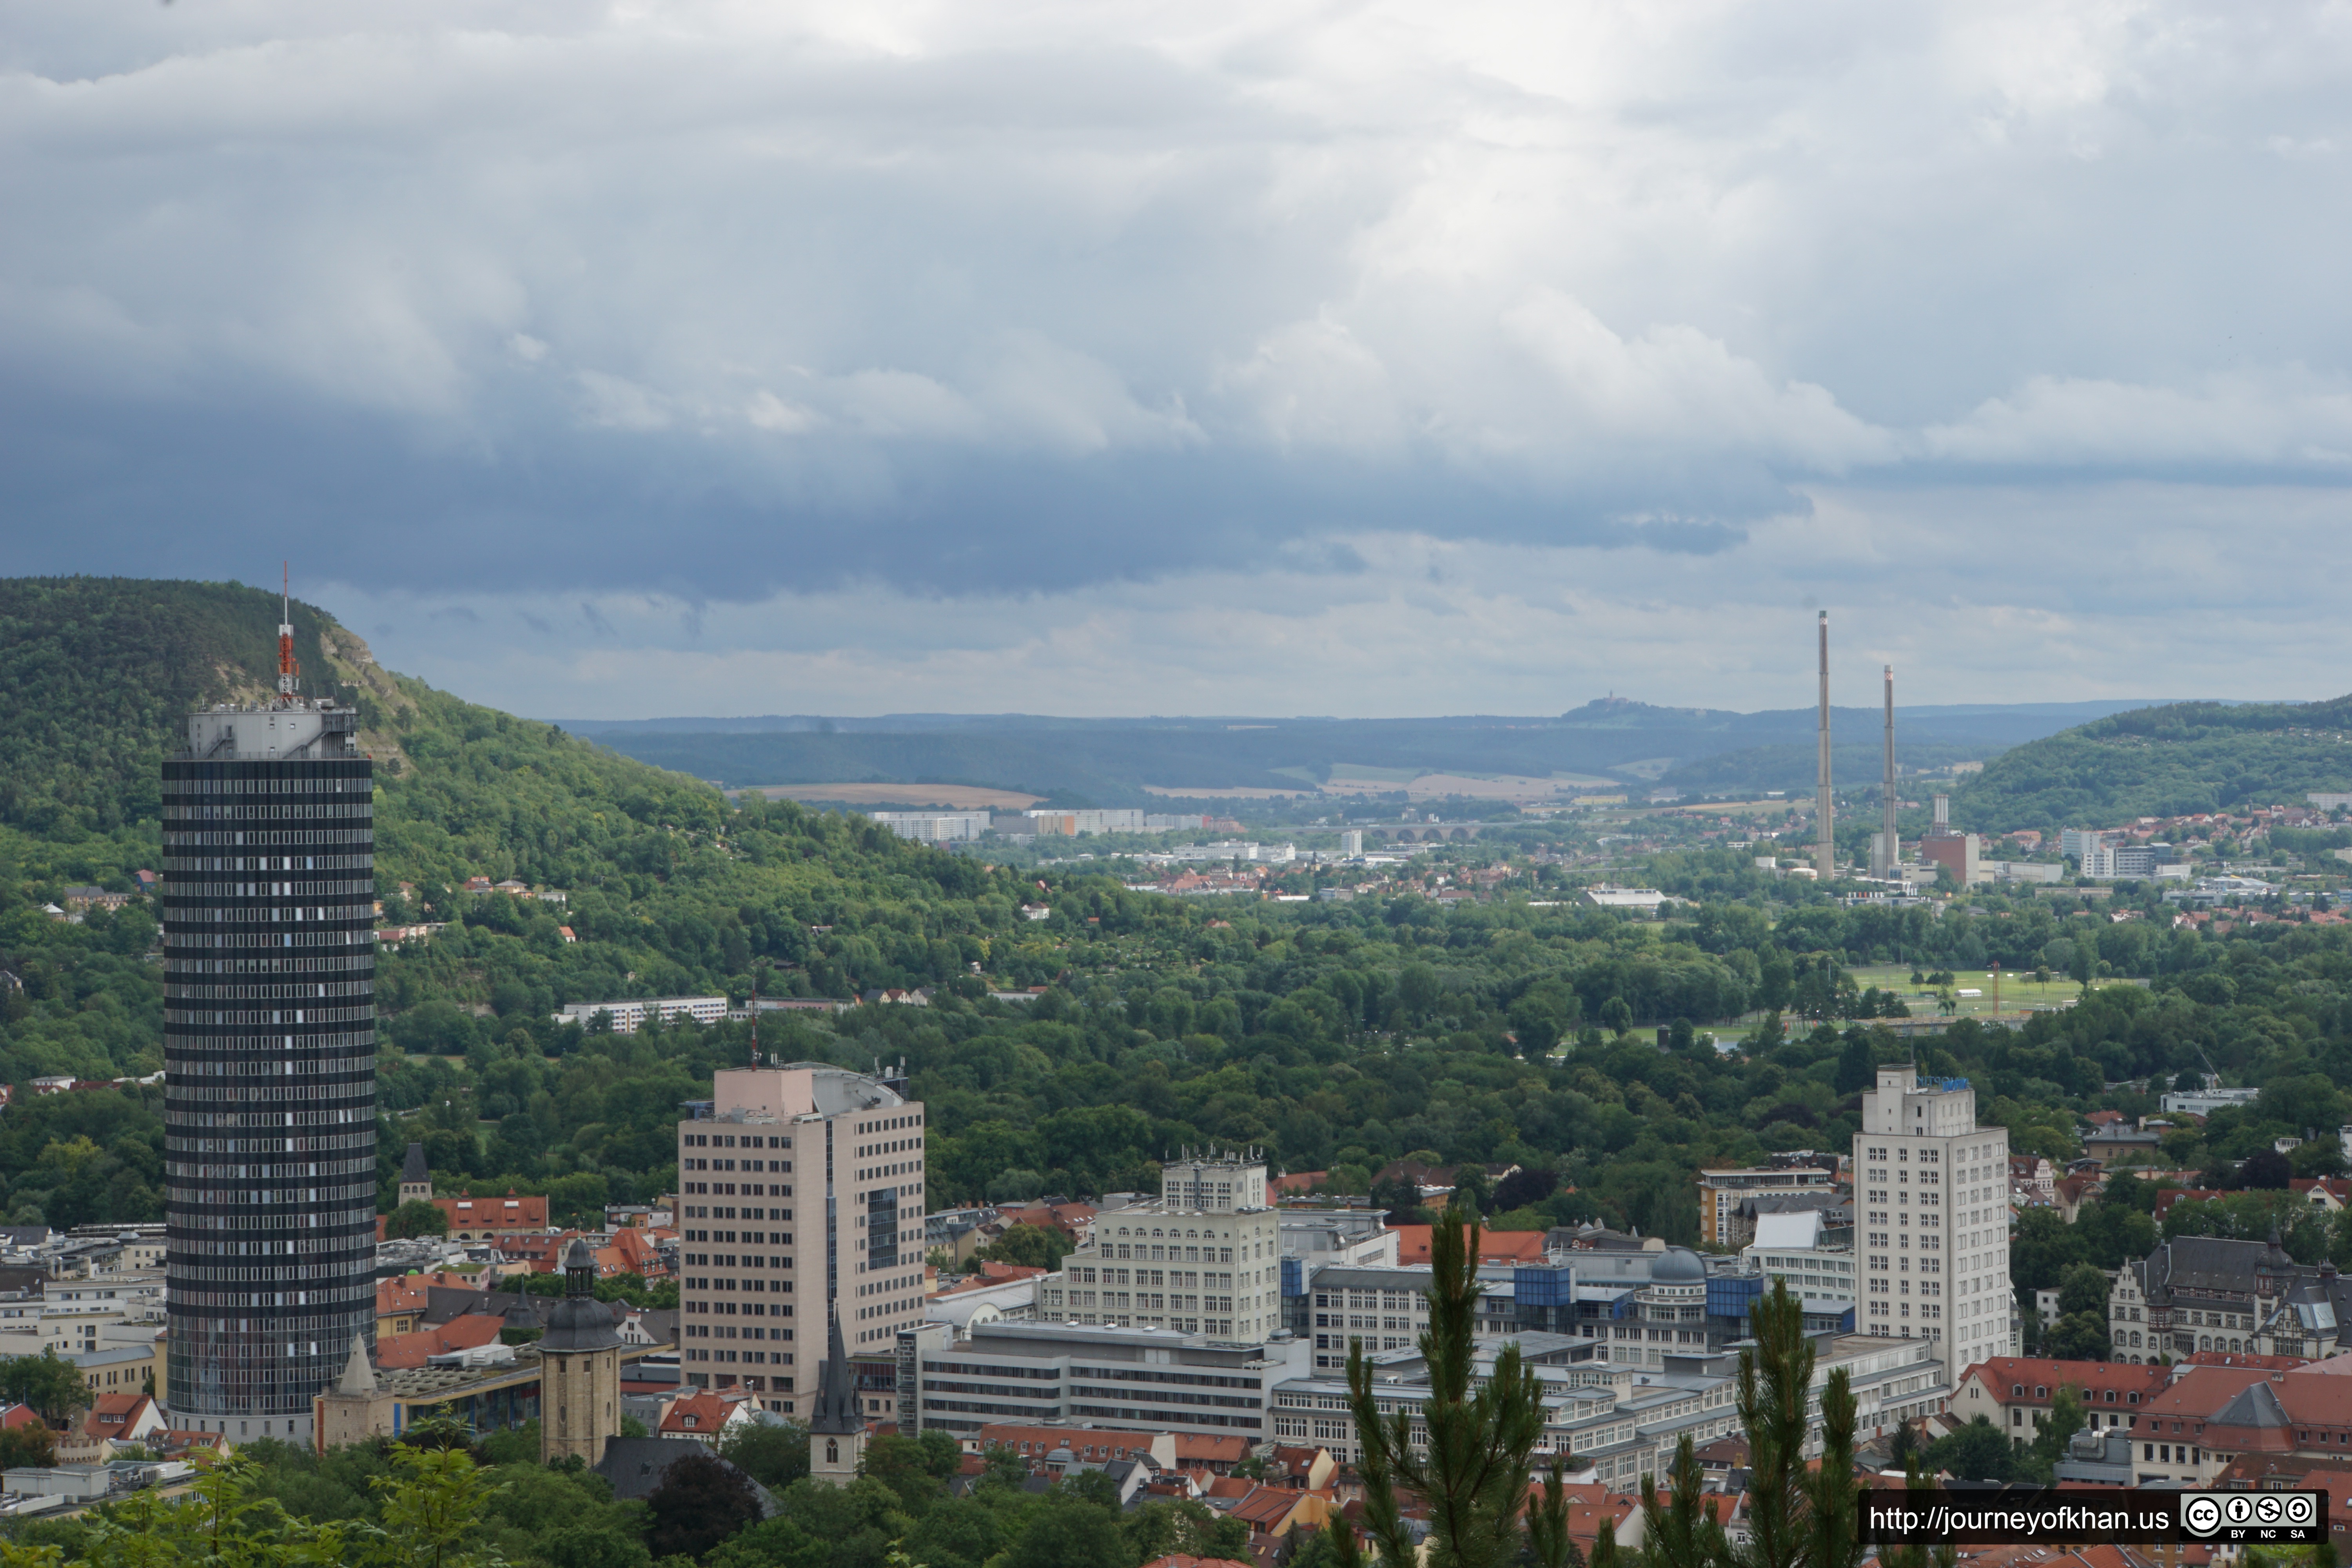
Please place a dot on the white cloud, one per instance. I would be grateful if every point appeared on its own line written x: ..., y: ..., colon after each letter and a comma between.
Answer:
x: 621, y: 405
x: 1957, y: 587
x: 951, y: 296
x: 2286, y: 420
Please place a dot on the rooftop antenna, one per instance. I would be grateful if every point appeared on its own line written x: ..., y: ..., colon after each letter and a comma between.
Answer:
x: 755, y: 1014
x: 289, y: 674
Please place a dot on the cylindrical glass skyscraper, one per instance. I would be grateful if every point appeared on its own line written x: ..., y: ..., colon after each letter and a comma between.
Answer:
x: 269, y: 1059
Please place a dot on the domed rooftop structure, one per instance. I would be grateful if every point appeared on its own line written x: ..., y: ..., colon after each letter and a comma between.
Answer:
x: 1678, y: 1266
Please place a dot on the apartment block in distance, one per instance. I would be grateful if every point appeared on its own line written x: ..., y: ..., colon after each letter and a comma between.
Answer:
x: 1931, y: 1218
x: 801, y: 1193
x: 1720, y: 1194
x: 1204, y: 1257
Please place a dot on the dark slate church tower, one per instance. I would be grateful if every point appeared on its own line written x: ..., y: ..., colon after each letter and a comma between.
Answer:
x: 837, y: 1431
x: 270, y: 1058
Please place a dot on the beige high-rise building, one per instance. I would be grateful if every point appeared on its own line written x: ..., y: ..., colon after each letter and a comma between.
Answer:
x: 1931, y: 1218
x: 1204, y: 1257
x: 801, y: 1189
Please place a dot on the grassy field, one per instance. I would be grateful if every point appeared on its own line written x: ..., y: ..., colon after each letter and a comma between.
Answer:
x: 2018, y: 992
x: 2019, y: 995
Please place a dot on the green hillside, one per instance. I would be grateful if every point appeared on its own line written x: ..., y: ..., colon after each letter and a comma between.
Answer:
x: 2165, y: 762
x: 670, y: 891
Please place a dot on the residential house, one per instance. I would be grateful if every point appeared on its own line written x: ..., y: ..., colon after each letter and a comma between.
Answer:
x: 2327, y: 1194
x: 2015, y: 1393
x: 1272, y: 1513
x: 2074, y: 1191
x: 706, y: 1415
x: 124, y: 1419
x: 2032, y: 1181
x: 1073, y: 1221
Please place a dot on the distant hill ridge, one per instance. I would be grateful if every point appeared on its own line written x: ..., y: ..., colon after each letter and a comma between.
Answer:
x: 1110, y: 761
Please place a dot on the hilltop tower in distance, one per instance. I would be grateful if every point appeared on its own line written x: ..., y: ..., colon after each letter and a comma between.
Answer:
x: 268, y: 1058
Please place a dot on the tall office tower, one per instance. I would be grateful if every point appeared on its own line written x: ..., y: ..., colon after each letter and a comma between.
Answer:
x: 1203, y: 1257
x: 268, y: 1059
x: 1931, y: 1212
x: 766, y: 1248
x: 1824, y: 826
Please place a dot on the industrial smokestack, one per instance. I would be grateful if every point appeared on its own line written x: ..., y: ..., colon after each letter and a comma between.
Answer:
x: 1889, y: 851
x: 1825, y: 850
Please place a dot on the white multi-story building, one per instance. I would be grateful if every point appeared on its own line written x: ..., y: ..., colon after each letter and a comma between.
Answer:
x: 630, y: 1014
x: 1623, y: 1422
x: 935, y: 826
x: 1204, y: 1257
x: 1931, y: 1218
x: 2206, y: 1101
x: 766, y: 1250
x: 2076, y: 843
x: 1792, y: 1250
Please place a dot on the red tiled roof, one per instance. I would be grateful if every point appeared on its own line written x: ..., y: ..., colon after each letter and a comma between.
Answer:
x: 1196, y: 1448
x: 1494, y: 1245
x: 1086, y: 1441
x: 460, y: 1333
x: 407, y: 1293
x: 2001, y: 1374
x: 697, y: 1412
x: 115, y: 1414
x: 1263, y: 1508
x: 515, y: 1211
x: 992, y: 1274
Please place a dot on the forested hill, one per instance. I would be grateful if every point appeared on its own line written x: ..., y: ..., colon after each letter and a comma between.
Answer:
x: 2164, y: 762
x: 668, y: 890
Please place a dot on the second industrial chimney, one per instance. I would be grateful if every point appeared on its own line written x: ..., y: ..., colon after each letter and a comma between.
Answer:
x: 1825, y: 848
x: 1886, y: 849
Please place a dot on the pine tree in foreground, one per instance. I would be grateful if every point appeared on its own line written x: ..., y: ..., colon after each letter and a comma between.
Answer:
x: 1475, y: 1467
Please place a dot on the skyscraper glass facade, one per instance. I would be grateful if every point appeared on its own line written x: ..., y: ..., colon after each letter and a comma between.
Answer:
x: 269, y: 1062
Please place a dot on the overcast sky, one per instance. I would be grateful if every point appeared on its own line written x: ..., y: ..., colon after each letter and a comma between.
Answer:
x: 1272, y: 357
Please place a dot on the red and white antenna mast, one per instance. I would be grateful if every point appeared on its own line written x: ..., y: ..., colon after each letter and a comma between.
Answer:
x: 755, y: 1014
x: 289, y: 674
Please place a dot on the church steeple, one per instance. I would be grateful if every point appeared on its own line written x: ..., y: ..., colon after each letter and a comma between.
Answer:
x: 359, y: 1377
x: 837, y: 1432
x: 580, y: 1361
x: 416, y: 1177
